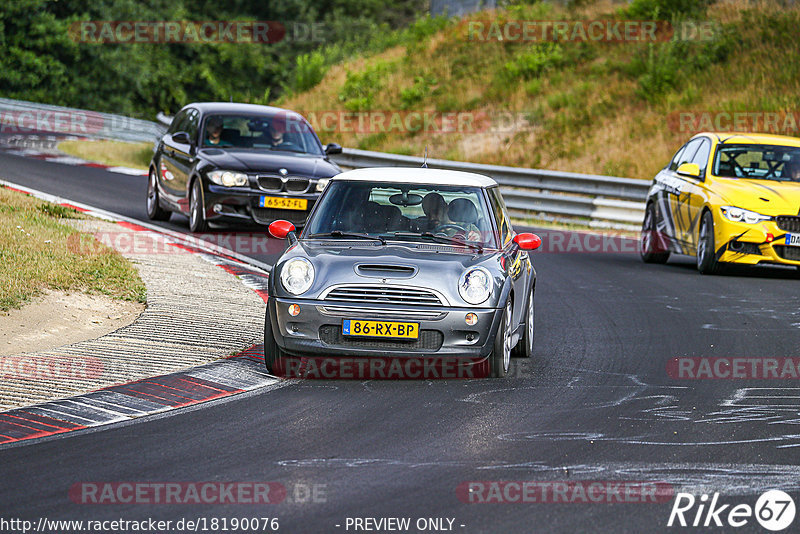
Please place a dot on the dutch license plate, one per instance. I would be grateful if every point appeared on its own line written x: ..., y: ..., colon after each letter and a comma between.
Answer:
x: 283, y: 203
x: 793, y: 240
x: 357, y: 327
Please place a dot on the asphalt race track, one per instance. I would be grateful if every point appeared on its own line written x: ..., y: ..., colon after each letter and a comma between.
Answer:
x: 595, y: 404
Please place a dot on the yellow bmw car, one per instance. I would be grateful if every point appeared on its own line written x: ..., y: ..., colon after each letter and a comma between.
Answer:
x: 726, y: 198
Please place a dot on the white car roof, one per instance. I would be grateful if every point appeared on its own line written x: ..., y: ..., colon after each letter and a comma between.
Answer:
x: 416, y: 175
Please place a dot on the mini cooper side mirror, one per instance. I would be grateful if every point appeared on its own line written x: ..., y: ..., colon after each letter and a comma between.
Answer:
x: 333, y: 148
x: 282, y: 230
x: 528, y: 241
x: 689, y: 169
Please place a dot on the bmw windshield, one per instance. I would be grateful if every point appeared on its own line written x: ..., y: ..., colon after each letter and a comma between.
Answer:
x: 759, y: 162
x: 281, y: 131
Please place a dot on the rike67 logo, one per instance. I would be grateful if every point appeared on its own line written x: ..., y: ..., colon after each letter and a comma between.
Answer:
x: 774, y: 510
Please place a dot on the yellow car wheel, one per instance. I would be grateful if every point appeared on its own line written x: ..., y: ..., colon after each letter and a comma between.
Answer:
x: 649, y: 247
x: 706, y: 252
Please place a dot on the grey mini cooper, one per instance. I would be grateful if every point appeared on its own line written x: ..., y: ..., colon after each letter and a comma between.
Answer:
x: 403, y: 263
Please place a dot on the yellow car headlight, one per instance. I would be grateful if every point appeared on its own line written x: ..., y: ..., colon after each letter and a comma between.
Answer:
x: 732, y: 213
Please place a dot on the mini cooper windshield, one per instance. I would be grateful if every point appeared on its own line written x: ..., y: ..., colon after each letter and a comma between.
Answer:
x: 434, y: 213
x: 263, y: 132
x: 760, y: 162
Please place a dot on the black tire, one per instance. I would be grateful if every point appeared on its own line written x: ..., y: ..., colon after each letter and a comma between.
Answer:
x: 706, y: 252
x: 648, y: 248
x: 154, y: 210
x: 197, y: 211
x: 524, y: 347
x: 272, y: 352
x: 500, y: 358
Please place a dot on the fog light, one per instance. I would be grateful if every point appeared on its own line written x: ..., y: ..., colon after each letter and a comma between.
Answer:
x: 294, y: 310
x: 471, y: 319
x: 217, y: 208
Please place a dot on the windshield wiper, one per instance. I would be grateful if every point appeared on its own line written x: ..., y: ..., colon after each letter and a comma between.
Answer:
x: 339, y: 233
x: 441, y: 239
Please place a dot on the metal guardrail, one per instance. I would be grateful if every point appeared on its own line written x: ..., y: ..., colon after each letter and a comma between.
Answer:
x: 22, y: 118
x: 606, y: 201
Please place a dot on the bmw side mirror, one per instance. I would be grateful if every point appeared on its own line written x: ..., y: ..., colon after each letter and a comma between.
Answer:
x: 283, y: 230
x: 333, y: 148
x: 689, y: 169
x: 182, y: 138
x: 528, y: 241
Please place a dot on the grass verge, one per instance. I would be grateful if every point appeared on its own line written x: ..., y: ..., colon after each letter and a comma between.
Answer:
x: 114, y: 153
x: 38, y: 252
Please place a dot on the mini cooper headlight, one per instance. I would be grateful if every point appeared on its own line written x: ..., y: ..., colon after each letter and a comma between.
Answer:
x: 228, y: 178
x: 475, y: 285
x: 297, y: 275
x: 321, y: 183
x: 741, y: 215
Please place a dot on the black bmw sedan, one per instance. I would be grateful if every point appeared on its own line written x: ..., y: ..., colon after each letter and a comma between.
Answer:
x: 228, y: 163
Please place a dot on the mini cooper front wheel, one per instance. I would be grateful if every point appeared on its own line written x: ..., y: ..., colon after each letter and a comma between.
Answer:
x: 500, y: 357
x: 273, y: 354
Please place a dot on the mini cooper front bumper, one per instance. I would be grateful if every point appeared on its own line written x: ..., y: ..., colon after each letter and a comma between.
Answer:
x: 442, y: 331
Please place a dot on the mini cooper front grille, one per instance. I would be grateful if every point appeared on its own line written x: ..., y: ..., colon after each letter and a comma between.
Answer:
x: 788, y: 253
x: 429, y: 340
x: 788, y: 223
x: 382, y: 313
x: 374, y: 294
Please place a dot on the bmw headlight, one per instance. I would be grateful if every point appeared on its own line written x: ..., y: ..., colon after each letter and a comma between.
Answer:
x: 321, y: 183
x: 742, y: 215
x: 297, y: 275
x: 475, y: 285
x: 228, y: 178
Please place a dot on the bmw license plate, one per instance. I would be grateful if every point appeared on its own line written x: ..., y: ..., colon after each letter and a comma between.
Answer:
x: 793, y: 240
x: 357, y: 327
x: 283, y: 203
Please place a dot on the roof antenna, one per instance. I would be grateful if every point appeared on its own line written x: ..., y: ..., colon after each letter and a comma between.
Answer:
x: 425, y: 159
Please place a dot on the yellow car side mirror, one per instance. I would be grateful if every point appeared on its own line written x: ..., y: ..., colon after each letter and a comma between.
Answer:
x: 689, y: 169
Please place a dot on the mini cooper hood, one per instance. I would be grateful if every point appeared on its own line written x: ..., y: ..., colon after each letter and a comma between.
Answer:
x: 768, y: 197
x: 269, y: 162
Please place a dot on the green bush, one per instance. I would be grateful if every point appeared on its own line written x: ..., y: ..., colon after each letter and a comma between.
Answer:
x: 309, y: 71
x: 534, y: 61
x: 359, y: 88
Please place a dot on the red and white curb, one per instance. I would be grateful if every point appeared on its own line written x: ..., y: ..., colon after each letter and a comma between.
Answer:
x: 59, y: 157
x: 241, y: 372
